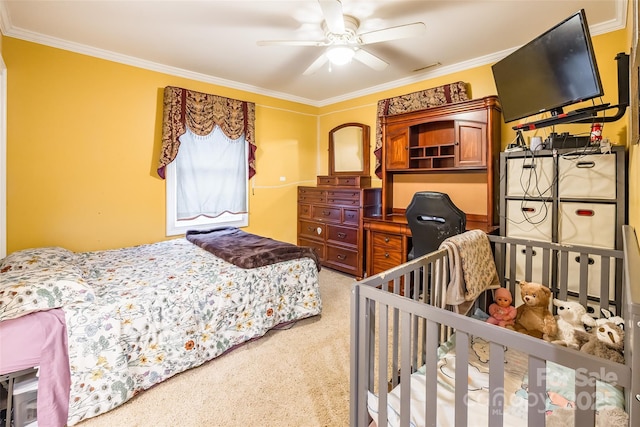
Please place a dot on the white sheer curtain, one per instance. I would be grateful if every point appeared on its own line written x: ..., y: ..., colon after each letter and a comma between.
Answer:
x: 211, y: 175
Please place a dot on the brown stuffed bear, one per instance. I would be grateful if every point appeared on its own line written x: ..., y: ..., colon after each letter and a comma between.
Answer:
x: 534, y: 317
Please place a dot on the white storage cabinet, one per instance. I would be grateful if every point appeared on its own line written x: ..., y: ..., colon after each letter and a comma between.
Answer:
x: 566, y: 196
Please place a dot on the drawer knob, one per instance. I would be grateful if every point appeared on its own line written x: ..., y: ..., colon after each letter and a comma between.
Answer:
x: 386, y: 240
x: 386, y: 254
x: 326, y: 213
x: 342, y: 235
x: 341, y: 257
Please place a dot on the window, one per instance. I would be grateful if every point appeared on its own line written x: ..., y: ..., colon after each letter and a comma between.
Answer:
x: 207, y: 184
x: 207, y: 158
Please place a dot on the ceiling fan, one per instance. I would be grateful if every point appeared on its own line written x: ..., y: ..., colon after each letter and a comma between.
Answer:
x: 343, y: 42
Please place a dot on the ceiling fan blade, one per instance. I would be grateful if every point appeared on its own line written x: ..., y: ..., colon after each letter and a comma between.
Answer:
x: 332, y: 11
x: 291, y: 43
x: 315, y: 66
x: 370, y: 60
x: 393, y: 33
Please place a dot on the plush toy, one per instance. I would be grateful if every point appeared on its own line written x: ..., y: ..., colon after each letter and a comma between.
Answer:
x: 609, y: 317
x: 605, y: 416
x: 605, y: 340
x: 534, y: 317
x: 501, y: 312
x: 572, y: 316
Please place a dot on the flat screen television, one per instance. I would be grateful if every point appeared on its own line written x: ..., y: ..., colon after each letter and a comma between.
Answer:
x: 556, y: 69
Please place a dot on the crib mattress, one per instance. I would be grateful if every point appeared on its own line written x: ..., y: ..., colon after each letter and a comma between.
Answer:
x: 560, y: 389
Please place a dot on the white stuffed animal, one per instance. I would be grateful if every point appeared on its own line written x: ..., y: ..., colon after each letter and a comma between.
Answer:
x: 571, y: 317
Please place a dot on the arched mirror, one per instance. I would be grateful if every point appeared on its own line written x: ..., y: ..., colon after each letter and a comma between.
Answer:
x: 349, y: 149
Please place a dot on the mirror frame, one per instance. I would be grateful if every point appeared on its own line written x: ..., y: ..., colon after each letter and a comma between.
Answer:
x: 366, y: 146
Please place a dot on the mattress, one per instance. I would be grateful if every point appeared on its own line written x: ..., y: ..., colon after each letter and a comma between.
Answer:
x: 560, y: 389
x: 134, y: 317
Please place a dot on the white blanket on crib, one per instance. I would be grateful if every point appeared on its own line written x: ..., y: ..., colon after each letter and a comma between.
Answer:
x: 560, y: 389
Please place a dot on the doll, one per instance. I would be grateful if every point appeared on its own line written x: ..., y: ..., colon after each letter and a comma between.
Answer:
x: 501, y: 312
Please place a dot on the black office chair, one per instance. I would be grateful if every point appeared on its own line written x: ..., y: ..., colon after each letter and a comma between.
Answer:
x: 432, y: 217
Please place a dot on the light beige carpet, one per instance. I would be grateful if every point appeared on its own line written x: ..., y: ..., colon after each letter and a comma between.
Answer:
x: 294, y: 377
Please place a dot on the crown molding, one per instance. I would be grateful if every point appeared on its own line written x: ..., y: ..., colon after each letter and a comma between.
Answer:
x: 8, y: 30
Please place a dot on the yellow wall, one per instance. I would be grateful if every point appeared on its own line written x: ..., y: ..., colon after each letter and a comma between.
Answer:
x: 84, y: 133
x: 83, y: 143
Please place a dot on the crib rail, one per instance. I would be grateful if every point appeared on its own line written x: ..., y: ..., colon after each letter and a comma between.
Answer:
x: 589, y: 275
x: 631, y: 314
x: 399, y: 319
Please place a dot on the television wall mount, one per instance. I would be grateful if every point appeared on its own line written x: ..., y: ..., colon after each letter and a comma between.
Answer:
x: 590, y: 114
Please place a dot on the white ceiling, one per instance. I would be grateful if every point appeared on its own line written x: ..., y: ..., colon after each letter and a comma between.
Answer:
x: 215, y: 41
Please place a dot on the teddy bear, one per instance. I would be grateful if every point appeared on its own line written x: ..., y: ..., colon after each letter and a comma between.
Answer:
x: 533, y: 315
x: 572, y: 316
x: 501, y: 312
x: 605, y: 340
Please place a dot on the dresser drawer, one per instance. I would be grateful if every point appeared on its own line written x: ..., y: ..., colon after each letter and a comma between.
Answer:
x: 344, y: 194
x: 343, y: 197
x: 351, y: 216
x: 349, y: 181
x: 311, y: 230
x: 311, y: 195
x: 386, y: 242
x: 304, y: 210
x: 326, y: 213
x: 318, y: 246
x: 342, y: 259
x: 342, y: 235
x: 327, y: 180
x: 343, y: 202
x: 384, y: 259
x: 386, y: 251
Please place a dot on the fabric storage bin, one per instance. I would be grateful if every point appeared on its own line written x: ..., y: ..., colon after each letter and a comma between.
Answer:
x: 587, y: 224
x: 592, y: 176
x: 529, y: 219
x: 594, y: 268
x: 25, y: 396
x: 530, y: 176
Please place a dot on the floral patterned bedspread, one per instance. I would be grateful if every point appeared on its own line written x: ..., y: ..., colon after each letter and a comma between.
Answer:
x: 163, y: 308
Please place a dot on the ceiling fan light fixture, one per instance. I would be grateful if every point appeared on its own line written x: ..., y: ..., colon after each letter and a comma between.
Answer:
x: 340, y: 55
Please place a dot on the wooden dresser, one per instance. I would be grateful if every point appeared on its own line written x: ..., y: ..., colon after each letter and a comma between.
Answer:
x: 330, y: 219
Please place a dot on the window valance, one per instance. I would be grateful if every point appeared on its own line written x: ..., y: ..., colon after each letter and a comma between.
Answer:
x: 433, y: 97
x: 200, y: 112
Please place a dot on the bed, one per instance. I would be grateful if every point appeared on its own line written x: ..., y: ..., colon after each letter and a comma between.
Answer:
x: 415, y: 362
x: 120, y: 321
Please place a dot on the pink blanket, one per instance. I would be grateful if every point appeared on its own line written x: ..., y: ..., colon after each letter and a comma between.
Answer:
x: 40, y: 339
